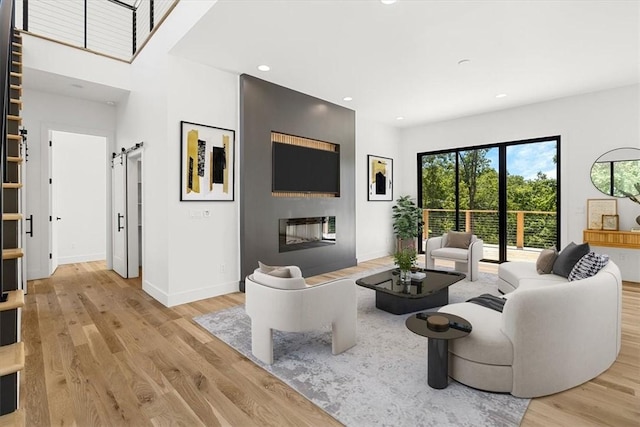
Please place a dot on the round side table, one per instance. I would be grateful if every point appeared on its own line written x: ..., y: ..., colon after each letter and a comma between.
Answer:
x: 438, y: 342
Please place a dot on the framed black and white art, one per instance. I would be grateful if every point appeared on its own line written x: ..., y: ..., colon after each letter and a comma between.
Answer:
x: 207, y: 163
x: 380, y: 178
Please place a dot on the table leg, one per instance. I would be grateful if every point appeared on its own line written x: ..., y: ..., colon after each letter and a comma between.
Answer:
x: 437, y: 363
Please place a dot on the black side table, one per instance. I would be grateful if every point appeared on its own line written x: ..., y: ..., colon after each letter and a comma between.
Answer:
x: 437, y: 345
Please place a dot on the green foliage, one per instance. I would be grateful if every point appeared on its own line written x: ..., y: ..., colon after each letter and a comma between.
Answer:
x: 478, y: 191
x: 405, y: 258
x: 407, y: 218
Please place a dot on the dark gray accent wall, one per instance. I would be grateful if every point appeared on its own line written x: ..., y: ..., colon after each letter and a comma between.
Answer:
x: 266, y: 107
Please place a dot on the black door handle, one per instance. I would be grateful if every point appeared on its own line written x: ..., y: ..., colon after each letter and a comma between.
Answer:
x: 58, y: 218
x: 30, y: 232
x: 120, y: 227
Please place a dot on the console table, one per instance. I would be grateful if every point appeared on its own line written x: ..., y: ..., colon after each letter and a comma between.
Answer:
x: 612, y: 239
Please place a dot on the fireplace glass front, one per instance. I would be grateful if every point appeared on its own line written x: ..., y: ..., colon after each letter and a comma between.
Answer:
x: 303, y: 233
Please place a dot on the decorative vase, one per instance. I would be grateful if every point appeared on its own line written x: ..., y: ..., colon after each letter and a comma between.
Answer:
x: 405, y: 279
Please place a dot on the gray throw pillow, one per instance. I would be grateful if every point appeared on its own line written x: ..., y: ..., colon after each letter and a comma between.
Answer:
x: 282, y: 272
x: 545, y: 261
x: 458, y: 239
x: 568, y: 257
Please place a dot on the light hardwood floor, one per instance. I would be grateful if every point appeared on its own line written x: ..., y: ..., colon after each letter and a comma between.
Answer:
x: 102, y: 352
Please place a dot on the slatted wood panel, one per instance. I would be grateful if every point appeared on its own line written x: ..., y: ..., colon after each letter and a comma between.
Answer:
x: 101, y: 351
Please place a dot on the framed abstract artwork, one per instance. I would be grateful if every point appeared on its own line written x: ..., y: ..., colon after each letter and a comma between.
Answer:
x: 206, y: 163
x: 380, y: 178
x: 597, y: 208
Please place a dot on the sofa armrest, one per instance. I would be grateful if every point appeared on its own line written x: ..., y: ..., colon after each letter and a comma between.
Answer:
x: 432, y: 244
x: 562, y: 334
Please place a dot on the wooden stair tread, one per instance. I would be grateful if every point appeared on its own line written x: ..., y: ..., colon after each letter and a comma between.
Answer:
x: 11, y: 216
x: 13, y: 419
x: 13, y: 137
x: 11, y: 358
x: 15, y: 299
x: 16, y: 101
x: 12, y: 159
x: 16, y: 44
x: 12, y: 253
x: 11, y: 185
x: 16, y: 87
x: 14, y: 74
x: 14, y: 118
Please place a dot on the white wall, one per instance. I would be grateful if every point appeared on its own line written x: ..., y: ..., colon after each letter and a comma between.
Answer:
x: 80, y: 196
x: 42, y: 113
x: 589, y: 125
x: 182, y: 256
x: 374, y: 231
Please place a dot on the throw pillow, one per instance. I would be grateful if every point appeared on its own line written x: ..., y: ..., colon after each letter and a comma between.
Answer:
x: 545, y: 261
x: 458, y: 239
x: 568, y: 257
x: 588, y: 266
x: 282, y: 272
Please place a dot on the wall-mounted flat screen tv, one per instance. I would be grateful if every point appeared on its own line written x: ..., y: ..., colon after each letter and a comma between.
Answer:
x: 305, y: 170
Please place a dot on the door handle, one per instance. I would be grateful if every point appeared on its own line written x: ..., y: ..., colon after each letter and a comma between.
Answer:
x: 120, y: 227
x: 58, y: 218
x: 30, y: 232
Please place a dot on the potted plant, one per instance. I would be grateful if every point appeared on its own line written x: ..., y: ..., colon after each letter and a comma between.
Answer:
x: 405, y: 259
x: 407, y: 226
x: 407, y: 222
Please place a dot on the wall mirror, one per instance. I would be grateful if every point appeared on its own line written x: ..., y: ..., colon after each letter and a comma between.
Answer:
x: 617, y: 172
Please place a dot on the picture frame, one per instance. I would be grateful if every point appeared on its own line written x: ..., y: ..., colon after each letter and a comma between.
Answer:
x: 379, y: 178
x: 610, y: 222
x: 596, y: 208
x: 207, y: 163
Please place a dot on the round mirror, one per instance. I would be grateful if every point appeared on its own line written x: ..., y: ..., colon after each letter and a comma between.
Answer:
x: 617, y: 172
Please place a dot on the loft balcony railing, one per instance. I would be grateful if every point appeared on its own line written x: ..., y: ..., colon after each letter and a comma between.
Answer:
x: 525, y: 229
x: 114, y: 28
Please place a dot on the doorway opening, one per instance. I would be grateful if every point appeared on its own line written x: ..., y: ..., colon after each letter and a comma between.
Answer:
x: 78, y: 199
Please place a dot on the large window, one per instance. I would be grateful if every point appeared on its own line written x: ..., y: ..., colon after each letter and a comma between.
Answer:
x: 506, y: 193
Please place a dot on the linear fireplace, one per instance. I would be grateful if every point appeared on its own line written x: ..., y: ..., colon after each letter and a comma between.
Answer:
x: 304, y: 233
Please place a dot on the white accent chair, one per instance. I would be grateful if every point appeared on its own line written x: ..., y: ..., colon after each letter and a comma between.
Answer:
x: 289, y: 304
x: 466, y: 260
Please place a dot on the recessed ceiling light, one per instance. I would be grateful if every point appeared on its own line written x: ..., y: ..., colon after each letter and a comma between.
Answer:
x: 399, y: 118
x: 501, y: 95
x: 347, y: 98
x: 79, y: 86
x: 464, y: 61
x: 264, y: 67
x: 387, y: 1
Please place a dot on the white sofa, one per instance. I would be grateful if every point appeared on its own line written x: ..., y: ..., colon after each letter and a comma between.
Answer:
x: 551, y: 336
x: 288, y: 304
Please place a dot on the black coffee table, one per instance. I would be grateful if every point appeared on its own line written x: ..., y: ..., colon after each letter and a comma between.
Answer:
x: 394, y: 297
x: 438, y: 344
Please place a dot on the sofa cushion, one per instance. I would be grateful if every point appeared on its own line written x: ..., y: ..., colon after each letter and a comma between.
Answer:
x: 515, y: 271
x: 545, y: 261
x: 486, y: 343
x: 458, y: 239
x: 451, y: 253
x: 278, y: 282
x: 568, y: 257
x: 588, y: 266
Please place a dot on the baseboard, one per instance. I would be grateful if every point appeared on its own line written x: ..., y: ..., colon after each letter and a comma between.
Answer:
x: 81, y: 258
x: 373, y: 255
x: 170, y: 300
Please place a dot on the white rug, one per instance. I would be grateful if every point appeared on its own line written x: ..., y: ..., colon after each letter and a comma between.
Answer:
x: 382, y: 381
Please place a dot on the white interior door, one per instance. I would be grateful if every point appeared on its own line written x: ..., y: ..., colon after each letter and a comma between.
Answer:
x: 53, y: 217
x: 119, y: 216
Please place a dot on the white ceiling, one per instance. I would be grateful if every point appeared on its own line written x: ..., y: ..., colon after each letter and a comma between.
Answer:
x: 402, y: 59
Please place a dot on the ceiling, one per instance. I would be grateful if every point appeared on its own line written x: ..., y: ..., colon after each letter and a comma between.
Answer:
x: 403, y: 59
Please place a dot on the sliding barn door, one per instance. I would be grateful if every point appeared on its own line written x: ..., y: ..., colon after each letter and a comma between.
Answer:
x: 119, y: 215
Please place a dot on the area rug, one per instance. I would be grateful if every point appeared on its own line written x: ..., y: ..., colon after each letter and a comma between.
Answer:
x: 382, y: 381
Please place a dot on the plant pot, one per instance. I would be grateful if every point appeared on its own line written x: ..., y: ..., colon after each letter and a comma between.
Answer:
x: 405, y: 277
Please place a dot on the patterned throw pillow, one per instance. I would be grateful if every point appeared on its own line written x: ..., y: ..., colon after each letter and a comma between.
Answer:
x: 588, y: 266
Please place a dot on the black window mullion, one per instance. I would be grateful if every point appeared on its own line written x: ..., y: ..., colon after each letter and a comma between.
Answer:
x: 502, y: 203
